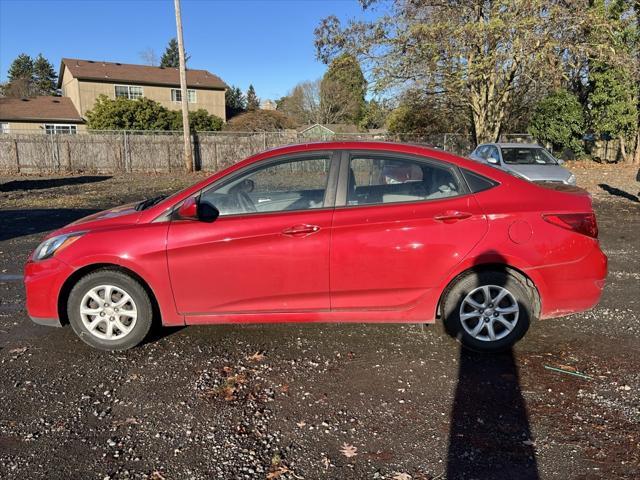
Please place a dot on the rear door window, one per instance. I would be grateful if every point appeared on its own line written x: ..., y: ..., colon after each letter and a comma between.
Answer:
x: 381, y: 180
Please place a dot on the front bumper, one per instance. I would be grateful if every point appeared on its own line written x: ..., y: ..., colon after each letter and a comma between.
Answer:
x: 43, y: 281
x: 47, y: 322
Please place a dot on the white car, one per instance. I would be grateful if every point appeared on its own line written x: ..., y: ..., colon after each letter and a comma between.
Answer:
x: 530, y: 161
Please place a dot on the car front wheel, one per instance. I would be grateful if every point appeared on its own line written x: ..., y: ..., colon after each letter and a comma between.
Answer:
x: 488, y: 311
x: 110, y: 310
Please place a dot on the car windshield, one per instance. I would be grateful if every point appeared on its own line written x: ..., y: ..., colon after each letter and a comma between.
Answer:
x: 527, y: 156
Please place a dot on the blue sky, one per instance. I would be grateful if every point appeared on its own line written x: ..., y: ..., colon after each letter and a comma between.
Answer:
x: 265, y: 42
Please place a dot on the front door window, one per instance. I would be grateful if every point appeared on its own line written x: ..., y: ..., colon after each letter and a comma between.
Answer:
x: 290, y: 185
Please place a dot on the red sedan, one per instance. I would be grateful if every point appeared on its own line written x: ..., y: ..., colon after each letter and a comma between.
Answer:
x: 330, y: 232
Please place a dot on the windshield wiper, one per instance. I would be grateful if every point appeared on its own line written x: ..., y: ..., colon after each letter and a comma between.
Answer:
x: 150, y: 202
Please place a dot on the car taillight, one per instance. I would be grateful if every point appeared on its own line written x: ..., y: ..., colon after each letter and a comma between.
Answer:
x: 584, y: 223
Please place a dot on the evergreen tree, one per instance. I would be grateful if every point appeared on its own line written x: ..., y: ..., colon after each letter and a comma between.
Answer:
x: 235, y: 102
x: 21, y: 67
x: 344, y: 78
x: 171, y: 57
x: 20, y: 77
x: 253, y: 102
x: 612, y: 105
x: 45, y: 77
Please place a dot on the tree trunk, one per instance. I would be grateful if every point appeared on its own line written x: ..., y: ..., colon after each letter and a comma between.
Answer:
x: 623, y: 149
x: 487, y: 118
x: 636, y: 156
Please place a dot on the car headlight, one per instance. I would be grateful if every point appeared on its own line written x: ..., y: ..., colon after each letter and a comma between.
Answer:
x: 572, y: 179
x: 54, y: 244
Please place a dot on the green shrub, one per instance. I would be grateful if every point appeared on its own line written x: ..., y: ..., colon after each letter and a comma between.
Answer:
x: 558, y: 119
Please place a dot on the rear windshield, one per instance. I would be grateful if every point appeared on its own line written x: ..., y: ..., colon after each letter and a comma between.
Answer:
x: 527, y: 156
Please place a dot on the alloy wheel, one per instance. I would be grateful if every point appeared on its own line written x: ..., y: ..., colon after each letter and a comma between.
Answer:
x: 489, y: 313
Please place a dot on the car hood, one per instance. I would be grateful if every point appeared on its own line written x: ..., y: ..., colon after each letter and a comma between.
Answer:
x: 554, y: 173
x: 123, y: 215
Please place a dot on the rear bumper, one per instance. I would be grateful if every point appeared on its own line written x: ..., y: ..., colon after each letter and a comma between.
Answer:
x: 571, y: 287
x: 43, y: 281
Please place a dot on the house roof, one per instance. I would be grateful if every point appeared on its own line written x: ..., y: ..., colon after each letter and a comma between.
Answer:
x: 39, y: 109
x: 112, y: 72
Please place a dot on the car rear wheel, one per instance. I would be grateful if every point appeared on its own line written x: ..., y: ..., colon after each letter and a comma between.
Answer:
x: 488, y: 311
x: 109, y: 310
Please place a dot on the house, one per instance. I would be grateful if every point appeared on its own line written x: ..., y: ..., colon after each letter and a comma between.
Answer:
x: 329, y: 130
x: 39, y: 114
x: 83, y: 81
x: 268, y: 105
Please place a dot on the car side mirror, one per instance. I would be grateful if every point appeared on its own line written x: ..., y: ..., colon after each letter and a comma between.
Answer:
x: 207, y: 212
x: 192, y: 209
x: 560, y: 161
x: 492, y: 160
x: 189, y: 209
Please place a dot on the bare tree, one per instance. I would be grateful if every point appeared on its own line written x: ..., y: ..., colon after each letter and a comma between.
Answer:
x: 318, y: 101
x: 149, y: 57
x: 477, y: 53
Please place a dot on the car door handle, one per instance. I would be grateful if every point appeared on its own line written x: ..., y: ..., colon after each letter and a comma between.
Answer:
x: 300, y: 230
x: 451, y: 216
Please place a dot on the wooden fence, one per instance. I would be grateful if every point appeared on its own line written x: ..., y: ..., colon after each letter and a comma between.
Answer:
x: 113, y: 152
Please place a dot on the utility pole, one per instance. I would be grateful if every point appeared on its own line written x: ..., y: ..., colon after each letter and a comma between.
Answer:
x: 188, y: 157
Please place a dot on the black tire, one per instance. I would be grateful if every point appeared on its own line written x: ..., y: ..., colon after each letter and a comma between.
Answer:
x: 140, y: 301
x: 523, y: 296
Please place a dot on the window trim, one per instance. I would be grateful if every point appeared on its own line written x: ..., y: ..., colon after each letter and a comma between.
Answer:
x: 128, y: 87
x: 343, y: 180
x: 189, y: 90
x: 329, y: 193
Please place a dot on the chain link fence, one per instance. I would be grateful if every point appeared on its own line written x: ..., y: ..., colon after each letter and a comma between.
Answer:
x: 155, y: 152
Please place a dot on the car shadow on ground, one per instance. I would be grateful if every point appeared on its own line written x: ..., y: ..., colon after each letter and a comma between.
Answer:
x: 42, y: 183
x: 18, y: 223
x: 619, y: 193
x: 489, y: 435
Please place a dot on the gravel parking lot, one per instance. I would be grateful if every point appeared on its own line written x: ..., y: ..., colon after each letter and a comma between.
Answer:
x: 317, y: 401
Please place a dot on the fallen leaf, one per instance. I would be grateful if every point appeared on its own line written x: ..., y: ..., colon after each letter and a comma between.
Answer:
x: 281, y: 470
x: 128, y: 421
x: 301, y: 424
x: 256, y: 357
x: 348, y: 450
x: 18, y: 350
x: 326, y: 462
x: 401, y: 476
x: 156, y: 475
x: 228, y: 393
